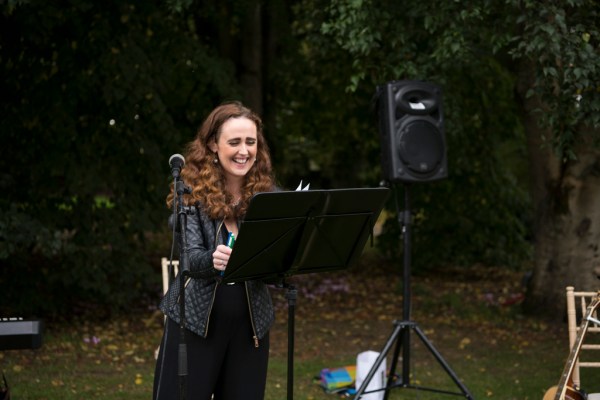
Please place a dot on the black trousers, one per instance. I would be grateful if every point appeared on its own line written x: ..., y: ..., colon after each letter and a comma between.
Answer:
x: 226, y: 363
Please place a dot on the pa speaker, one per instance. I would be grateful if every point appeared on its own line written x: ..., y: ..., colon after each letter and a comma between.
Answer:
x: 411, y: 126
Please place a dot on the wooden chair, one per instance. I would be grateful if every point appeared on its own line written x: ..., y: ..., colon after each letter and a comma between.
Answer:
x: 577, y: 304
x: 165, y: 282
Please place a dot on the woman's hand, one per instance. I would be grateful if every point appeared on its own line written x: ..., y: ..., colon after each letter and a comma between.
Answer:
x: 221, y: 257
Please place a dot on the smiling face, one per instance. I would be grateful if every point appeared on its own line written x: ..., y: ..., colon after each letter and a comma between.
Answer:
x: 236, y: 148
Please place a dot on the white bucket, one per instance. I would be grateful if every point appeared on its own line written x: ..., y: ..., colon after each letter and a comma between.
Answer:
x: 364, y: 363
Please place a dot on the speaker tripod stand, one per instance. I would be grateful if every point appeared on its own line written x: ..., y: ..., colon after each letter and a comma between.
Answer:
x: 401, y: 334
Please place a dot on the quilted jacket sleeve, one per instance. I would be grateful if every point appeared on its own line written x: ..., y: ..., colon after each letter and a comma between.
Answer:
x: 200, y: 235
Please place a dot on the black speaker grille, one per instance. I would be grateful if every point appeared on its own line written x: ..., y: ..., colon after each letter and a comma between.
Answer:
x: 420, y: 146
x: 411, y: 124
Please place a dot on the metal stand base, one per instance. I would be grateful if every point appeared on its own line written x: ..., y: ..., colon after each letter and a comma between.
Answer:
x: 401, y: 336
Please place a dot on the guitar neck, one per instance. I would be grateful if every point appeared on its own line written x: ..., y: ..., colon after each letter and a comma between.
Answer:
x: 568, y: 370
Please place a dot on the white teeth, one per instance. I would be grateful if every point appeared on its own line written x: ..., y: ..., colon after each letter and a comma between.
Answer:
x: 244, y: 161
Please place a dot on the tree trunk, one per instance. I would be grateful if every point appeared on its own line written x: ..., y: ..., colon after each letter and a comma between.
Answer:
x: 566, y: 197
x: 251, y: 77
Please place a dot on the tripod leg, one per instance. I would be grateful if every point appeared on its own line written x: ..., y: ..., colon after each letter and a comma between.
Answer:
x: 399, y: 345
x: 394, y: 364
x: 378, y: 361
x: 442, y: 362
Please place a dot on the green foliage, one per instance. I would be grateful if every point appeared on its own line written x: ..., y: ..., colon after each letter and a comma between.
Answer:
x: 562, y: 43
x: 326, y: 136
x: 481, y: 212
x: 407, y: 39
x: 95, y: 99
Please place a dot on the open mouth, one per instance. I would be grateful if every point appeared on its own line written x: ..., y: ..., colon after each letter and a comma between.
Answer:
x: 241, y: 161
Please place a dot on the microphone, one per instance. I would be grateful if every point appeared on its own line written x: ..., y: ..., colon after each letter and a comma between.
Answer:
x: 176, y: 162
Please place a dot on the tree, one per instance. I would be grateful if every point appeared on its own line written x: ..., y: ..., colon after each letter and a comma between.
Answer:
x: 558, y: 59
x: 95, y: 97
x: 328, y: 135
x: 550, y: 54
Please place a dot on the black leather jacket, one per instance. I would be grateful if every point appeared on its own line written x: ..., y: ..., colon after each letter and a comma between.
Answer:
x: 203, y: 235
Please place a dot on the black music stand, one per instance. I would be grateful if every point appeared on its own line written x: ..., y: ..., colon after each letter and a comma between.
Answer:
x: 290, y: 233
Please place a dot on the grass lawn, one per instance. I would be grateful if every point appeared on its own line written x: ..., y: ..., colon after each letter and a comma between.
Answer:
x: 470, y: 316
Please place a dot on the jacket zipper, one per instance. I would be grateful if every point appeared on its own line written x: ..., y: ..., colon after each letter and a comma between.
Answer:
x: 212, y: 301
x: 217, y: 232
x: 255, y: 337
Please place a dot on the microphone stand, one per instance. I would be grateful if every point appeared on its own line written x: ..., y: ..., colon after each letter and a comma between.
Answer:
x: 180, y: 190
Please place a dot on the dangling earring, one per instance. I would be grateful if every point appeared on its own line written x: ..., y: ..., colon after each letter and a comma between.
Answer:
x: 216, y: 160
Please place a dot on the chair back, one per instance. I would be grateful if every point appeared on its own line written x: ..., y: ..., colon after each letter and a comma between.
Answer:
x: 167, y: 275
x: 577, y: 304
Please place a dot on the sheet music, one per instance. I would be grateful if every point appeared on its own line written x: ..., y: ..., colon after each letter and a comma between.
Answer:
x: 300, y: 188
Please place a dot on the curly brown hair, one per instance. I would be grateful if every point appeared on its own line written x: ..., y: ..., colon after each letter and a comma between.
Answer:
x: 206, y: 178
